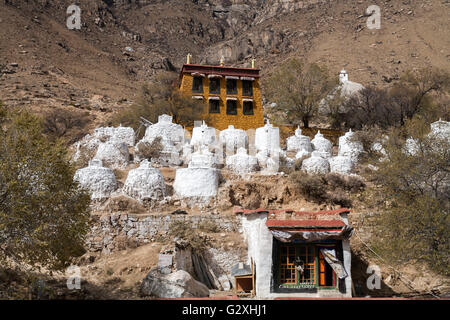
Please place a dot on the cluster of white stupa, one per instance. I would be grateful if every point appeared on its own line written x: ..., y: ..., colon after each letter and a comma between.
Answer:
x: 317, y: 155
x: 203, y: 155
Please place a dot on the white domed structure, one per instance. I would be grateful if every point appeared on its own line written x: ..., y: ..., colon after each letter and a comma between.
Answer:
x: 100, y: 181
x: 316, y: 164
x: 113, y: 154
x: 203, y: 159
x: 341, y: 165
x: 233, y: 139
x: 348, y: 147
x: 241, y: 162
x: 267, y: 138
x: 172, y: 139
x: 203, y: 136
x: 441, y: 129
x: 120, y: 134
x: 145, y: 183
x: 348, y: 88
x: 299, y: 142
x: 200, y: 184
x: 322, y: 145
x: 170, y: 133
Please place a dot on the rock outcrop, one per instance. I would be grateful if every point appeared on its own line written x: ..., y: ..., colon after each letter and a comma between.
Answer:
x: 179, y: 284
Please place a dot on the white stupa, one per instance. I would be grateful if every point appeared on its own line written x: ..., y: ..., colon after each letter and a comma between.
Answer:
x: 348, y: 147
x: 100, y: 181
x: 90, y: 142
x: 441, y: 129
x: 299, y: 142
x: 341, y: 164
x: 172, y: 139
x: 114, y: 154
x: 322, y: 145
x: 169, y: 132
x: 119, y: 134
x: 232, y: 139
x: 199, y: 182
x: 348, y: 88
x: 242, y: 162
x: 203, y: 136
x: 316, y: 164
x: 267, y: 138
x: 203, y: 158
x: 145, y: 183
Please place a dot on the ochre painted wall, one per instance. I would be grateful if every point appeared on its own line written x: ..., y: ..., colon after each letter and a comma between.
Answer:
x: 221, y: 120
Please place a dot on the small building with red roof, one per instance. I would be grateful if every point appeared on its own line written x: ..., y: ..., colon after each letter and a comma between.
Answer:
x: 298, y: 253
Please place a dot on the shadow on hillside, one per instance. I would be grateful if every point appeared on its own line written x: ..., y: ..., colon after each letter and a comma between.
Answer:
x: 360, y: 276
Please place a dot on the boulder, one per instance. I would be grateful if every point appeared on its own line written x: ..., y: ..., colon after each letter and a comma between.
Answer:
x: 179, y: 284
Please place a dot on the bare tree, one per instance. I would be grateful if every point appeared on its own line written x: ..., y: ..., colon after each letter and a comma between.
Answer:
x: 296, y: 89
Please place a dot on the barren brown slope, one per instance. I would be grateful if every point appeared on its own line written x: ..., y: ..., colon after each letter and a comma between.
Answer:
x: 91, y: 69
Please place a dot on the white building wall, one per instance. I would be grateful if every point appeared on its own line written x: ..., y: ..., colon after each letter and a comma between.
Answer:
x: 260, y: 241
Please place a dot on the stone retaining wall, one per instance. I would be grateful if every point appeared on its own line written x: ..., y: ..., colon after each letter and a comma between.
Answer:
x: 118, y: 231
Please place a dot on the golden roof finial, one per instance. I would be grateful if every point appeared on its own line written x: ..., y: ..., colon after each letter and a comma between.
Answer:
x: 222, y: 61
x: 188, y: 58
x: 253, y: 63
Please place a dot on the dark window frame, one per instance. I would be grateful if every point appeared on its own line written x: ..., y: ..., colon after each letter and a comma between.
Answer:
x: 245, y: 111
x: 250, y: 91
x: 215, y: 110
x: 233, y: 89
x: 200, y: 90
x: 211, y: 80
x: 230, y: 111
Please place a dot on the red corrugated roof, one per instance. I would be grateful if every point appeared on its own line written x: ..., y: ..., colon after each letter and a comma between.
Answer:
x: 238, y: 210
x: 273, y: 223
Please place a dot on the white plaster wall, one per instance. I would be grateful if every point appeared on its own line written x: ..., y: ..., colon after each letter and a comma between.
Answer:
x: 196, y: 182
x: 260, y: 241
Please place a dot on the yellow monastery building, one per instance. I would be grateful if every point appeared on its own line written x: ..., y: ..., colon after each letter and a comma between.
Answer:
x: 232, y: 95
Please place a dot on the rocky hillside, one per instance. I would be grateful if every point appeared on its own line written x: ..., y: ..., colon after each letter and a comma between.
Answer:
x: 123, y: 43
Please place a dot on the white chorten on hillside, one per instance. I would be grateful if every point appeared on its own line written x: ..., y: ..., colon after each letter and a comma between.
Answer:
x: 349, y: 147
x: 316, y: 164
x: 267, y: 138
x: 322, y: 145
x: 233, y: 139
x: 145, y: 183
x: 203, y: 136
x: 242, y: 162
x: 113, y: 154
x: 199, y: 182
x: 100, y: 181
x: 299, y: 142
x: 348, y: 88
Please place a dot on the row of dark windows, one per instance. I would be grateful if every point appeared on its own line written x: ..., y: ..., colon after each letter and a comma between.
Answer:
x: 231, y: 105
x: 231, y: 85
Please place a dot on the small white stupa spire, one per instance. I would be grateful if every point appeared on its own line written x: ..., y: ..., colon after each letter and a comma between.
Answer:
x: 343, y: 76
